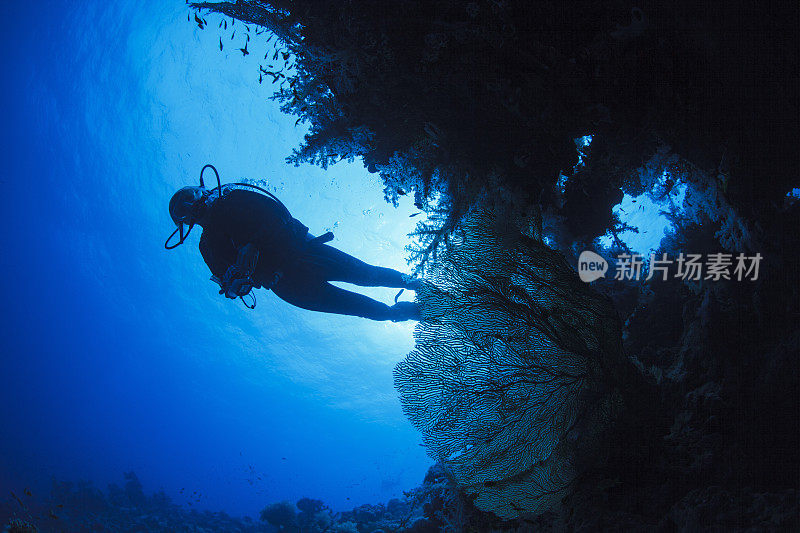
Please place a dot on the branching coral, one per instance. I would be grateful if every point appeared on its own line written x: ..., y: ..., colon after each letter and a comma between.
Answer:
x: 492, y: 94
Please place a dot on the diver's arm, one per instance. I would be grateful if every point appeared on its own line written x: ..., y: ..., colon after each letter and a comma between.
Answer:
x: 218, y: 251
x: 234, y: 276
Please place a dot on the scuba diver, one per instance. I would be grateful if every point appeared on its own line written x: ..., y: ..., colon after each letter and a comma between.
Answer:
x: 250, y: 240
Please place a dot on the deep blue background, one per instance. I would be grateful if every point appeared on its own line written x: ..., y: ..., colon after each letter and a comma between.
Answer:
x: 117, y: 355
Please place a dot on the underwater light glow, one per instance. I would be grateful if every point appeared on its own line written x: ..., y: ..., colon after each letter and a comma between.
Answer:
x: 581, y: 143
x: 647, y: 216
x: 145, y: 366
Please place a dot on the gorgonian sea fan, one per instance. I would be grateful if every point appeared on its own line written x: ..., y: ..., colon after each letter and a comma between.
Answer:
x: 508, y: 380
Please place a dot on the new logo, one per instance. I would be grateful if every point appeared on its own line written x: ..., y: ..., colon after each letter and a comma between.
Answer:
x: 591, y: 266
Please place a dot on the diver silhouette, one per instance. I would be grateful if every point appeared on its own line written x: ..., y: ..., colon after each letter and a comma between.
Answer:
x: 250, y: 240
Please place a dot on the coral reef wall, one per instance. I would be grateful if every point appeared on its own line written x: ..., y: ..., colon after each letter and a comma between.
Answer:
x: 460, y: 102
x: 510, y: 377
x: 446, y: 99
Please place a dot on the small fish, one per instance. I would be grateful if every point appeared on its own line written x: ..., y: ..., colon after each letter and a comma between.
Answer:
x: 414, y: 214
x: 226, y: 25
x: 233, y: 34
x: 260, y: 78
x: 244, y: 50
x: 220, y: 23
x: 275, y: 55
x: 283, y: 458
x: 18, y: 500
x: 188, y: 17
x: 220, y: 44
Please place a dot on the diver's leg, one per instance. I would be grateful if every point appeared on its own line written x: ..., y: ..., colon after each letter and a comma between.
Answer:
x: 335, y: 265
x: 318, y: 295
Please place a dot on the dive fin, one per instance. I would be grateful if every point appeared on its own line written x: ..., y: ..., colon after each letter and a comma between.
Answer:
x: 322, y: 239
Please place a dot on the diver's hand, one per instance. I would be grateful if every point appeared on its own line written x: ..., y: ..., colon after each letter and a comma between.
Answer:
x: 274, y: 281
x: 235, y: 283
x: 238, y: 287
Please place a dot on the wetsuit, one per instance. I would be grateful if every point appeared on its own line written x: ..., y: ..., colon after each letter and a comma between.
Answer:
x: 242, y: 217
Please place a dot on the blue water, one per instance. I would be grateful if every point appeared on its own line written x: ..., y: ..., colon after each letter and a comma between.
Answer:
x: 646, y: 215
x: 118, y: 355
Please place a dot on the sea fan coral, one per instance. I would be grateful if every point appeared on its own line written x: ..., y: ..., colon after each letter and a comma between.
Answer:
x: 510, y: 368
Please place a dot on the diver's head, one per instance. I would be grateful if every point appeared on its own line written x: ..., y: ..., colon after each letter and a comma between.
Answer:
x: 186, y: 205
